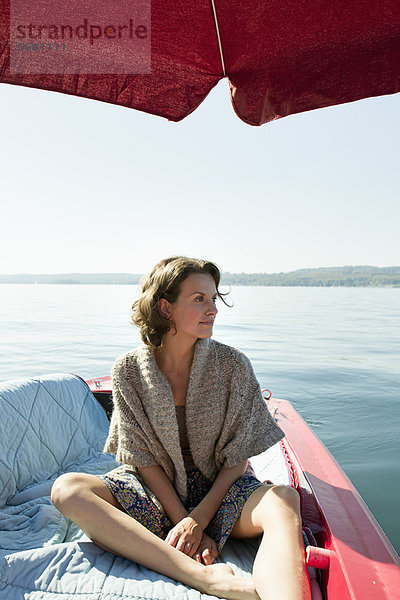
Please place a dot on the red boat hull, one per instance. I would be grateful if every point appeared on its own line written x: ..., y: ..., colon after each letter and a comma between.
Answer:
x: 363, y: 564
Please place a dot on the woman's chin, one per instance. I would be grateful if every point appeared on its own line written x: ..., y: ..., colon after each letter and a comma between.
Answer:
x: 206, y: 334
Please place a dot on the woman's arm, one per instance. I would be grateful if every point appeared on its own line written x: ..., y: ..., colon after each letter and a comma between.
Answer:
x: 206, y: 509
x: 157, y: 481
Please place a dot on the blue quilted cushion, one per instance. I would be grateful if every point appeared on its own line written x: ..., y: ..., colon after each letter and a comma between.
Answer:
x: 48, y: 426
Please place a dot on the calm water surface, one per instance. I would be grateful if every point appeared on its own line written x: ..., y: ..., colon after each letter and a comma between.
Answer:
x: 333, y: 352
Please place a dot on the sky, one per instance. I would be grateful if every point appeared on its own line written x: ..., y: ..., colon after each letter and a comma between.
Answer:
x: 90, y: 187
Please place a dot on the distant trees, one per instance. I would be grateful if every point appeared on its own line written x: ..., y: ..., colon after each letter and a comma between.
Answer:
x: 74, y: 278
x: 319, y: 277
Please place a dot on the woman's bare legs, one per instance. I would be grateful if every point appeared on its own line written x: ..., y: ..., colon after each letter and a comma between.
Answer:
x: 87, y: 501
x: 279, y: 571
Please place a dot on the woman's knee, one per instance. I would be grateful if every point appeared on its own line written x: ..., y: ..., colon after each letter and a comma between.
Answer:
x: 287, y: 495
x: 67, y: 488
x: 280, y: 502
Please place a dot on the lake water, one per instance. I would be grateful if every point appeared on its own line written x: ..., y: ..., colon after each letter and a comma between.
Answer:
x: 333, y: 352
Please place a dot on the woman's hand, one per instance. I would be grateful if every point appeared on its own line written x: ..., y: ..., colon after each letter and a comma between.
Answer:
x: 207, y: 551
x: 185, y: 536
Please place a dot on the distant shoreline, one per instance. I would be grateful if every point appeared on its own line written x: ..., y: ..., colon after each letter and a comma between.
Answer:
x: 352, y: 276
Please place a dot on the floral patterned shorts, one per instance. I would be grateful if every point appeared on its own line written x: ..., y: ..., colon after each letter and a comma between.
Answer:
x: 140, y: 503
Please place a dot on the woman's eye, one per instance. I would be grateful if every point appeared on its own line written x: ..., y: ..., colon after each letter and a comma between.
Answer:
x: 201, y: 299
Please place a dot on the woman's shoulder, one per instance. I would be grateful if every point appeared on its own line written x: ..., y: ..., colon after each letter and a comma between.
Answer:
x: 229, y: 355
x: 129, y: 362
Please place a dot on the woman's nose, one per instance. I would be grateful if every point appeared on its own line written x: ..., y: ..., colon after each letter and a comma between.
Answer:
x: 212, y: 309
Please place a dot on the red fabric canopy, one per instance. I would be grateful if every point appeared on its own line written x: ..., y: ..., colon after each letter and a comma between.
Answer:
x: 281, y: 56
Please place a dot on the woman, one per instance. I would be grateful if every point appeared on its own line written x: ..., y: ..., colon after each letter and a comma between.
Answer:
x: 188, y: 413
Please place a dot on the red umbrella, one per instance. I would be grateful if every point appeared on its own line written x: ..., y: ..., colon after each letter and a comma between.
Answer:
x: 281, y: 57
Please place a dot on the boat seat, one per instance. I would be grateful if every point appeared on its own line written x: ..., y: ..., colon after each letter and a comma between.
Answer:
x: 50, y: 425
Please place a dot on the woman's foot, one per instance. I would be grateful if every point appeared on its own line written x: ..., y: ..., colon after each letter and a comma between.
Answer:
x: 220, y: 581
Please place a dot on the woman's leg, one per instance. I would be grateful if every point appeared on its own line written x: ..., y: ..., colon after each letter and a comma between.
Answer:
x: 87, y: 501
x: 279, y: 571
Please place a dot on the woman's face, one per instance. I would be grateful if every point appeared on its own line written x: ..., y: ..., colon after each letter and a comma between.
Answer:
x: 194, y: 311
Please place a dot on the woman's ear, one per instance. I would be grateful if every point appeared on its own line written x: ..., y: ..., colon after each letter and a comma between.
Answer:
x: 164, y: 308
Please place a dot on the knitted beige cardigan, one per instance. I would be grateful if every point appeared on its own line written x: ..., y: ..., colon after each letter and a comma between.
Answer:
x: 227, y: 419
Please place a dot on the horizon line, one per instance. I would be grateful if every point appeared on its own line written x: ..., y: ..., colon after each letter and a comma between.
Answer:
x: 222, y: 272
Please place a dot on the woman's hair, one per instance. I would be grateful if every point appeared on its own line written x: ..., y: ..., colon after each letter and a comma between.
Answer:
x: 164, y: 282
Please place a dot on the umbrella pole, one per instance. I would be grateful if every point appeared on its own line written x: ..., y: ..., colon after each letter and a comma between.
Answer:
x: 219, y: 37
